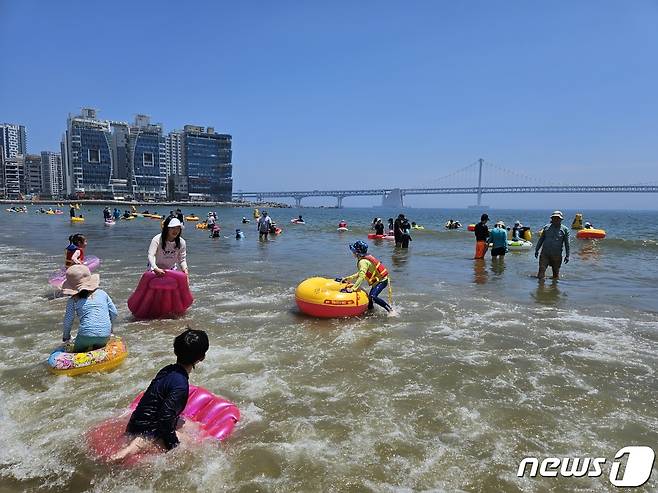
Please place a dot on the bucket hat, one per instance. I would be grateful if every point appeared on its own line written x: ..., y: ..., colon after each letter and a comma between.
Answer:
x: 558, y: 214
x: 79, y: 277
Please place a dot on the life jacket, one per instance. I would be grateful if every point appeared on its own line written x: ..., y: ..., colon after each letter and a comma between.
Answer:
x: 70, y: 250
x: 376, y: 271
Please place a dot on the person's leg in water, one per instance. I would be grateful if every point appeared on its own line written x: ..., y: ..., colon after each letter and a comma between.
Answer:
x: 186, y: 431
x: 543, y: 264
x: 374, y: 296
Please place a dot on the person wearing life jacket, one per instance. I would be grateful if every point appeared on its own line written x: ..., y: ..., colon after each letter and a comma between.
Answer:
x: 370, y: 270
x: 75, y: 252
x: 342, y: 224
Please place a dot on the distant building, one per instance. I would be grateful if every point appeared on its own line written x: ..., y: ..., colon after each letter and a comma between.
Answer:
x: 148, y: 167
x: 87, y: 155
x: 207, y: 158
x: 120, y: 149
x: 33, y: 178
x: 12, y: 173
x: 174, y: 153
x: 13, y: 140
x: 51, y: 174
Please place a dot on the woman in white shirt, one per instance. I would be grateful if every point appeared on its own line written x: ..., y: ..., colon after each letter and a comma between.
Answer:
x: 167, y: 250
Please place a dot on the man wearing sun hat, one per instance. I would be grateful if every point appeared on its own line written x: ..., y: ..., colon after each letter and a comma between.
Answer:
x: 552, y: 239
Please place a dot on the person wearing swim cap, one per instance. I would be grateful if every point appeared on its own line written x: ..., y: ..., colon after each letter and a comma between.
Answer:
x: 371, y: 270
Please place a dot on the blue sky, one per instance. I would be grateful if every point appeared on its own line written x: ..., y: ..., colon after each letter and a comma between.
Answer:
x: 335, y: 94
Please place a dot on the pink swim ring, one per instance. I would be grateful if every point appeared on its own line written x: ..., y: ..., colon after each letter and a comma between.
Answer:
x: 161, y: 297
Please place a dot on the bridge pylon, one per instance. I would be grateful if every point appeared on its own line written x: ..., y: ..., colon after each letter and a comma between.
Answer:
x: 298, y: 201
x: 339, y: 201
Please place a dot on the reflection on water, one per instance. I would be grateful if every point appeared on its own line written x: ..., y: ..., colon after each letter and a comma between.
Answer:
x: 400, y: 257
x: 498, y: 265
x: 589, y: 251
x: 480, y: 274
x: 548, y: 292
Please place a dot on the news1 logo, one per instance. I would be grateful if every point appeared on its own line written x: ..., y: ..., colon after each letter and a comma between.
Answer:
x: 639, y: 463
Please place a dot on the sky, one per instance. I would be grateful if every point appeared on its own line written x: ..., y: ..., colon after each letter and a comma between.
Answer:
x: 326, y: 95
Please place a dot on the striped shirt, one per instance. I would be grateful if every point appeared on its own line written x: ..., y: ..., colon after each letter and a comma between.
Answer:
x: 96, y: 313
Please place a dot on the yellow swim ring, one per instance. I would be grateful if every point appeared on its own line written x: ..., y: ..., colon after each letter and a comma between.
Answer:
x: 322, y: 297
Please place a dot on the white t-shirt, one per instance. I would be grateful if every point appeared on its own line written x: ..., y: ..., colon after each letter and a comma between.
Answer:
x: 264, y: 223
x: 168, y: 257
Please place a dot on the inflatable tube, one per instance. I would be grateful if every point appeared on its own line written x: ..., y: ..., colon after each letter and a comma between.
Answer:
x: 129, y: 218
x: 77, y: 219
x: 59, y: 213
x: 373, y: 236
x: 58, y: 277
x: 418, y: 227
x: 161, y: 297
x: 203, y: 225
x: 277, y: 231
x: 518, y: 245
x: 215, y: 416
x: 321, y: 297
x: 63, y: 361
x: 110, y: 223
x: 471, y: 227
x: 591, y: 234
x: 191, y: 218
x: 297, y: 221
x: 341, y: 229
x: 526, y: 233
x: 577, y: 222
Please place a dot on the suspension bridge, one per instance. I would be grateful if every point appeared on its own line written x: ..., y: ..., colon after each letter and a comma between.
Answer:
x: 395, y: 196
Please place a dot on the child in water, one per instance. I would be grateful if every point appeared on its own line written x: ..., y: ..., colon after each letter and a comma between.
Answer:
x: 239, y: 235
x: 75, y: 252
x: 154, y: 423
x: 214, y: 232
x: 93, y: 306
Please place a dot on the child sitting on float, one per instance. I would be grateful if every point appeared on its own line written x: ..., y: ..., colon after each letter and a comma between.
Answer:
x: 93, y: 306
x: 75, y: 252
x: 154, y: 422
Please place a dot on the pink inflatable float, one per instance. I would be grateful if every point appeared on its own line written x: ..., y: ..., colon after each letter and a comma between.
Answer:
x: 215, y: 416
x: 58, y: 277
x: 161, y: 297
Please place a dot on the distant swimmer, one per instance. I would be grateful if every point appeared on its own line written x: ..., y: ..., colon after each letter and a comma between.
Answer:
x: 239, y: 235
x: 342, y: 224
x: 245, y: 220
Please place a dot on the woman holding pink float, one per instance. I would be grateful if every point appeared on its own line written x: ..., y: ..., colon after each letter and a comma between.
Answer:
x: 163, y: 291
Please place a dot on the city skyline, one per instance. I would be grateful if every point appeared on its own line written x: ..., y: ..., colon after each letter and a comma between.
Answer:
x: 402, y: 95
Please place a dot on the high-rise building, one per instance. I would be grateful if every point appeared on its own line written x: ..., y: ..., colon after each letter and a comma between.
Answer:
x: 13, y: 140
x: 147, y: 158
x: 13, y: 177
x: 33, y: 179
x: 207, y: 158
x: 51, y: 174
x: 174, y: 153
x: 87, y: 155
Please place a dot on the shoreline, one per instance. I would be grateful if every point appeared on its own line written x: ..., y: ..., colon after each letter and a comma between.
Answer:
x: 66, y: 202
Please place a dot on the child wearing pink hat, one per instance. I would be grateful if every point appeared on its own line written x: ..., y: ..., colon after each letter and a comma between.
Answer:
x: 93, y: 306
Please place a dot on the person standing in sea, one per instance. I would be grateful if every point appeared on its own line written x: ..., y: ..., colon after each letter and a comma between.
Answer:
x: 553, y: 237
x: 481, y: 236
